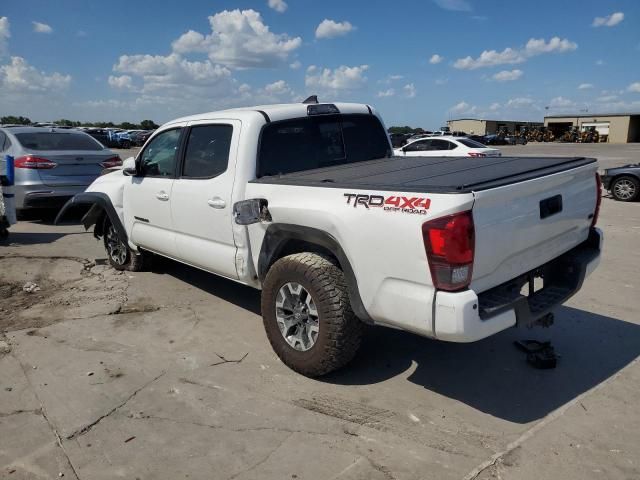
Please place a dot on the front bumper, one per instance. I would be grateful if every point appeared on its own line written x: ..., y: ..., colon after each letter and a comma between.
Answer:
x: 467, y: 317
x: 606, y: 181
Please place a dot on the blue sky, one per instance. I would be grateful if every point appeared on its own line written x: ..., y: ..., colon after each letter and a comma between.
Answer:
x: 419, y: 62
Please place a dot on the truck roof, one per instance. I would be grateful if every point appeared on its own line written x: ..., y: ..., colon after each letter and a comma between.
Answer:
x: 275, y: 112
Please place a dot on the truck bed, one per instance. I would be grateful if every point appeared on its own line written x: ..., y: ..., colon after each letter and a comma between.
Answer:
x: 430, y: 174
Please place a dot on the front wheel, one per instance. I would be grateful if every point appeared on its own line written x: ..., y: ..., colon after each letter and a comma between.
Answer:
x: 625, y: 189
x: 307, y: 314
x: 120, y: 256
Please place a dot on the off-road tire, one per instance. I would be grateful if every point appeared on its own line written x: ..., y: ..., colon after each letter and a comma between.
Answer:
x: 631, y: 181
x: 133, y: 262
x: 340, y: 331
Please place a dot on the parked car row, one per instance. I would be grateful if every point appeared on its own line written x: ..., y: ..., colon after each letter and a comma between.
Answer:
x: 117, y: 138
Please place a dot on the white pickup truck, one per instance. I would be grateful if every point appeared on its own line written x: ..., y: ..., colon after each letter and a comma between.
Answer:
x: 306, y: 202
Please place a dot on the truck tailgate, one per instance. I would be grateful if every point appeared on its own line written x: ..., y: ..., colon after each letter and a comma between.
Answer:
x: 520, y: 226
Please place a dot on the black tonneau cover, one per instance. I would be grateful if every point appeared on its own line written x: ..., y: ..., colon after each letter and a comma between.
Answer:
x: 430, y: 174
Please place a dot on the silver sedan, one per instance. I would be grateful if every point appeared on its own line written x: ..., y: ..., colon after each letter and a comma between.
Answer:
x: 52, y: 164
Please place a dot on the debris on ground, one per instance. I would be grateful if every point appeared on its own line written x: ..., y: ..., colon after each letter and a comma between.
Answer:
x: 30, y: 287
x: 4, y: 347
x: 540, y: 355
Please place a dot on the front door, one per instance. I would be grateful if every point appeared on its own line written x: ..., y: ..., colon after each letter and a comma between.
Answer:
x: 201, y: 202
x: 147, y: 199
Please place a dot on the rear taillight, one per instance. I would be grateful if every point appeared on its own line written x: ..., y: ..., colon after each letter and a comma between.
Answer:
x: 112, y: 162
x: 476, y: 154
x: 596, y: 212
x: 450, y: 244
x: 34, y: 163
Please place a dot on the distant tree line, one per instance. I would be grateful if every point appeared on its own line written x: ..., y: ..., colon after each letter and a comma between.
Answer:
x: 143, y: 125
x: 405, y: 129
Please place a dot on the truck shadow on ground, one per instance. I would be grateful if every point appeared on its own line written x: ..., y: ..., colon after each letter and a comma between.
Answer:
x: 492, y: 375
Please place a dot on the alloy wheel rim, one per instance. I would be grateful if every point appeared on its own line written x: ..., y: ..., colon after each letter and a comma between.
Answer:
x: 115, y: 248
x: 297, y: 316
x: 625, y: 189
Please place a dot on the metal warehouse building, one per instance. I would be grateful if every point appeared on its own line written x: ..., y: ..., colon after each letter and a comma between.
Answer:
x: 487, y: 127
x: 614, y: 127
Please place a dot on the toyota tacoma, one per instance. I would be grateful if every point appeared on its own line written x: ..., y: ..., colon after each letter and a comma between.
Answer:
x: 307, y: 203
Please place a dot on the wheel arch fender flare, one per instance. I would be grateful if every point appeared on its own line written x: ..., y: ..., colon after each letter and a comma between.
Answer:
x: 279, y: 235
x: 100, y: 203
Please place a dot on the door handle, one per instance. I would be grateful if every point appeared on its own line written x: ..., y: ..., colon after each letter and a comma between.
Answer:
x: 162, y: 195
x: 216, y: 202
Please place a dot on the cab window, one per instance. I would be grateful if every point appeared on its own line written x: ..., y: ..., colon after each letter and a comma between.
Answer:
x: 159, y: 157
x: 207, y: 153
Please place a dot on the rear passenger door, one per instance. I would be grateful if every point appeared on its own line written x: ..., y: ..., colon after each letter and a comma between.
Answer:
x: 201, y: 203
x: 443, y: 148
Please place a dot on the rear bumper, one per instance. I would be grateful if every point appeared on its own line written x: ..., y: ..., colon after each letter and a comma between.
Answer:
x: 467, y: 317
x: 43, y: 196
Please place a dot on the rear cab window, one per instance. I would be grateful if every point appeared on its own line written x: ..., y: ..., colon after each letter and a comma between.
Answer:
x: 66, y: 141
x: 320, y: 141
x: 207, y: 152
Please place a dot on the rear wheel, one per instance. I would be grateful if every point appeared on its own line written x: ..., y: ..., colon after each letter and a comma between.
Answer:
x: 120, y: 256
x: 625, y: 189
x: 307, y: 314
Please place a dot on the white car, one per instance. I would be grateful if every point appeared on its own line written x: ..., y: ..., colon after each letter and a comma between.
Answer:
x: 304, y: 202
x: 446, y: 147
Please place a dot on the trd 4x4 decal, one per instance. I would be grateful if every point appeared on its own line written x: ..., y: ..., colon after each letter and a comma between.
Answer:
x: 417, y: 205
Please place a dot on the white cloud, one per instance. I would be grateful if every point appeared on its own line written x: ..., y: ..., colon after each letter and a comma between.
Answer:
x: 494, y: 106
x: 341, y: 78
x: 585, y: 86
x: 18, y: 76
x: 279, y: 87
x: 409, y: 90
x: 295, y: 65
x: 278, y: 5
x: 390, y: 79
x: 634, y: 87
x: 435, y: 59
x: 507, y: 75
x: 534, y: 47
x: 239, y: 39
x: 331, y: 29
x: 81, y: 33
x: 561, y: 102
x: 607, y: 98
x: 122, y: 82
x: 519, y: 102
x: 455, y: 5
x: 609, y: 20
x: 41, y: 27
x: 5, y: 34
x: 160, y: 72
x: 386, y: 93
x: 463, y: 108
x: 599, y: 62
x: 441, y: 81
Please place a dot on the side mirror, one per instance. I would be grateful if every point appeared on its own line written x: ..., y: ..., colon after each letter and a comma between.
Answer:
x: 129, y: 167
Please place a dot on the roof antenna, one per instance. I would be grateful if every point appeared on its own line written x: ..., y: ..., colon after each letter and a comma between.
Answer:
x: 311, y: 99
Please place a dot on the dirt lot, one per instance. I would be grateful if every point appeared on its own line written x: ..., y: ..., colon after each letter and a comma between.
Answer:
x: 168, y: 374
